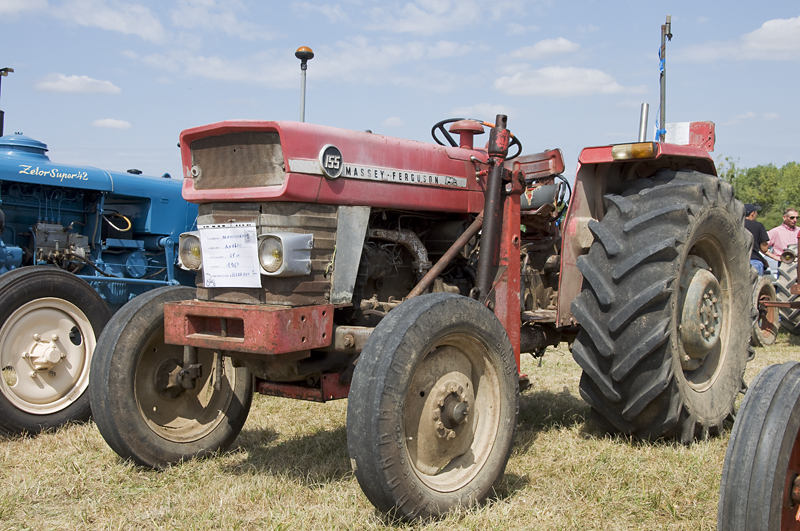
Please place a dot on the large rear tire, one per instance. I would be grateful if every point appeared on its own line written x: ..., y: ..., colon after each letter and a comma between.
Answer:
x: 765, y: 329
x: 760, y: 487
x: 139, y: 410
x: 49, y: 323
x: 665, y: 311
x: 787, y: 277
x: 433, y: 407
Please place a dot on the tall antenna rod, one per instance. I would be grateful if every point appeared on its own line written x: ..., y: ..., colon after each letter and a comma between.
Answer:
x: 666, y: 34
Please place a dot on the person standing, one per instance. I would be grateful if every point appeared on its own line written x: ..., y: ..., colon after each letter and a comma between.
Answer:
x: 760, y: 238
x: 784, y: 235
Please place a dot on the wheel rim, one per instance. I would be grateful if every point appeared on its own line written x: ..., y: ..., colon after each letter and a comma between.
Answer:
x: 768, y: 318
x: 45, y: 352
x: 176, y: 414
x: 704, y: 319
x: 451, y: 414
x: 791, y: 494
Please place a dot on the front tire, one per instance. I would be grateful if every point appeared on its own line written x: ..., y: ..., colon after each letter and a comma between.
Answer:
x: 49, y: 323
x: 433, y: 407
x: 140, y: 413
x: 665, y: 312
x: 760, y: 487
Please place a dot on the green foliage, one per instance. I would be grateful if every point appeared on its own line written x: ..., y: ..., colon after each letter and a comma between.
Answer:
x: 774, y: 189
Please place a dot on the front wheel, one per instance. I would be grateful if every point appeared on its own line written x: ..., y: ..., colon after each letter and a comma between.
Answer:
x: 49, y: 322
x: 433, y: 407
x: 141, y: 410
x: 760, y: 486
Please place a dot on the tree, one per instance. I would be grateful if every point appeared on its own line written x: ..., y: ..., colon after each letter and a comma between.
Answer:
x: 773, y: 189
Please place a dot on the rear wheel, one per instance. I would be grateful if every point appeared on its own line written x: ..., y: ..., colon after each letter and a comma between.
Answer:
x: 433, y: 407
x: 760, y: 486
x: 765, y: 329
x: 139, y: 406
x: 787, y: 277
x: 49, y: 322
x: 664, y: 336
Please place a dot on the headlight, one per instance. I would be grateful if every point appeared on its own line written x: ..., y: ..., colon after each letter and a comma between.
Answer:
x: 190, y: 252
x: 270, y: 254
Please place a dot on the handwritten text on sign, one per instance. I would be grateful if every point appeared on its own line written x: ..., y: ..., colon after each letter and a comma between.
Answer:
x: 230, y: 256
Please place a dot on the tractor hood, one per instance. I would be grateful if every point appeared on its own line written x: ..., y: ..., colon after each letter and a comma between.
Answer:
x: 24, y: 158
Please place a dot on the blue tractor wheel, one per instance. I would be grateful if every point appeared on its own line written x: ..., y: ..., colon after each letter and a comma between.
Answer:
x: 49, y: 324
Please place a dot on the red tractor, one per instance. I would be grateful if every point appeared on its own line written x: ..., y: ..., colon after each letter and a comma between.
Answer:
x: 410, y: 277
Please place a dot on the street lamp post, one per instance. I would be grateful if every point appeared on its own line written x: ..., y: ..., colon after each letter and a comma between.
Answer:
x: 3, y: 73
x: 305, y: 54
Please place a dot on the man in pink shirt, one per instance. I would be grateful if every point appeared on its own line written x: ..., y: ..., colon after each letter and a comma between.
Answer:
x: 784, y: 235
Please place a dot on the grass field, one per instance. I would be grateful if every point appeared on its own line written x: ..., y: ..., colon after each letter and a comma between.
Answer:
x: 289, y: 469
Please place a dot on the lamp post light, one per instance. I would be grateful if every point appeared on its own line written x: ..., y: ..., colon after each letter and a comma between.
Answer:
x: 305, y: 54
x: 3, y: 73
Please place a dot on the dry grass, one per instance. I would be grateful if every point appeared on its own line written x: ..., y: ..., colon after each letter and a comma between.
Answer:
x: 289, y: 470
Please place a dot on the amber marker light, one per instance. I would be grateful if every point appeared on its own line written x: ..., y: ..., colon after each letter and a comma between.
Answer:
x: 641, y: 150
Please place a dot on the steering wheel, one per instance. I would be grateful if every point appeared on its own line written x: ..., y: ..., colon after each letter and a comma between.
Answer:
x: 439, y: 126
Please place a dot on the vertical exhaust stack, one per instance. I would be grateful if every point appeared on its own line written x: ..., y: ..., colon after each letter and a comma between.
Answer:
x: 643, y: 122
x: 3, y: 73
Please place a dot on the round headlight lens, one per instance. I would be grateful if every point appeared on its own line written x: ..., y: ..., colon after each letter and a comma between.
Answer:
x: 270, y: 254
x: 191, y: 253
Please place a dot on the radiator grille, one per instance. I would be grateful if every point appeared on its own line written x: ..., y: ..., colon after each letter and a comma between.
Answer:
x: 238, y: 160
x: 303, y: 218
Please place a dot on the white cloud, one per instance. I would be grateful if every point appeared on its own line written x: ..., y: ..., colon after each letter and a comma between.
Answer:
x: 77, y: 85
x: 9, y: 7
x: 775, y: 40
x: 264, y: 68
x: 356, y: 58
x: 333, y: 13
x: 431, y: 17
x: 513, y: 28
x: 445, y: 49
x: 374, y: 64
x: 545, y: 48
x: 483, y: 111
x: 163, y: 62
x: 111, y: 123
x: 750, y: 115
x: 216, y: 16
x: 561, y: 81
x: 393, y: 121
x: 113, y: 15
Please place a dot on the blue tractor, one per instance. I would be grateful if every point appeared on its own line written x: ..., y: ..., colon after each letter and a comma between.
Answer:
x: 77, y: 244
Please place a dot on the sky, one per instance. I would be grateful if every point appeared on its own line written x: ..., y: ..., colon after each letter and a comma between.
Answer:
x: 111, y: 83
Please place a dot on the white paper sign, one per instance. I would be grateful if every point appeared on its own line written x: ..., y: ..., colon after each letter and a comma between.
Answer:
x: 230, y: 256
x: 678, y: 133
